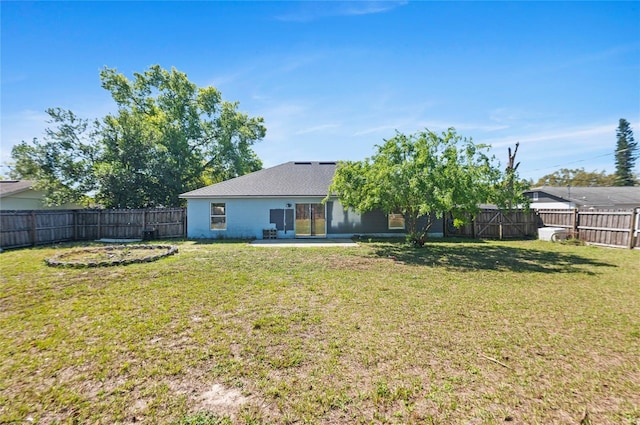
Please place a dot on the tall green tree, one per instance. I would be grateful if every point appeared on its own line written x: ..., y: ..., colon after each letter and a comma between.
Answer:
x: 171, y: 137
x: 423, y: 175
x: 62, y: 161
x: 626, y: 154
x: 576, y: 177
x: 168, y: 136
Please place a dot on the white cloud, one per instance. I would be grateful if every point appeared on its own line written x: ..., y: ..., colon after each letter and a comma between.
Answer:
x: 591, y: 135
x: 317, y: 128
x: 311, y: 11
x: 369, y: 7
x: 387, y: 128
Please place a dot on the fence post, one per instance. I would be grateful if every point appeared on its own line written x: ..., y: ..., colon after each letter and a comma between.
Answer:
x: 632, y: 228
x: 473, y: 228
x: 184, y: 223
x: 576, y: 219
x: 144, y: 221
x: 34, y: 232
x: 74, y: 217
x: 99, y: 224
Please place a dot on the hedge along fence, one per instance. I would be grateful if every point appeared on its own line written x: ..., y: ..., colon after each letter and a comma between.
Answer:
x: 38, y: 227
x: 607, y: 227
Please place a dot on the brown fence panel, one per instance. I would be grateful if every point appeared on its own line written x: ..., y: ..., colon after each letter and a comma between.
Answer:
x: 121, y: 224
x: 635, y: 242
x: 87, y: 225
x: 519, y: 224
x: 53, y: 226
x: 566, y: 218
x: 497, y: 224
x: 609, y: 227
x: 16, y: 229
x: 29, y: 228
x: 167, y: 222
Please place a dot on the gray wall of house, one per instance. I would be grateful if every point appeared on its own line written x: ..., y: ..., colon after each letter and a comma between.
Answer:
x: 246, y: 219
x: 341, y: 222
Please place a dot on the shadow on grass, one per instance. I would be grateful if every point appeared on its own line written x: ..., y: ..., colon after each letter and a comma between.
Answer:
x: 471, y: 255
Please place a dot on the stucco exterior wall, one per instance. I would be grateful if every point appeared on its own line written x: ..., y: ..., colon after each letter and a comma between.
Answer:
x: 247, y: 218
x: 347, y: 223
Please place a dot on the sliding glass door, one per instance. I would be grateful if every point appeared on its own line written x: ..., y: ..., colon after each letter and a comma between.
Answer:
x: 310, y: 220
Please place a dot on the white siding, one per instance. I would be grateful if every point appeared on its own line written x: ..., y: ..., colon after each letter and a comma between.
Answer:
x: 551, y: 205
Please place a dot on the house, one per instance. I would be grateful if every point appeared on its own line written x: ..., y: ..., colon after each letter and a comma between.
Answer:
x: 567, y: 197
x: 20, y: 195
x: 285, y: 201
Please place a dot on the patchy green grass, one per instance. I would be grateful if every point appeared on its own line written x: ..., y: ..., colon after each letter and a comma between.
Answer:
x: 456, y: 332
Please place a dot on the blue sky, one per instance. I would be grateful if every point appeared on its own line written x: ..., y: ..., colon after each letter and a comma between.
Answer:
x: 333, y: 79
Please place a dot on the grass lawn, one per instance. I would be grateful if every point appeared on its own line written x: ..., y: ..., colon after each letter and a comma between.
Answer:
x: 462, y: 332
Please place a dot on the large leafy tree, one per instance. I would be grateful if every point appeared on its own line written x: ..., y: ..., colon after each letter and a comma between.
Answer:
x: 168, y: 136
x: 172, y: 137
x: 423, y: 176
x: 626, y: 154
x: 576, y: 177
x: 62, y: 161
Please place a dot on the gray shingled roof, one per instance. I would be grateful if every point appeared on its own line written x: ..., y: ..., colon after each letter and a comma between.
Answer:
x: 288, y: 179
x: 594, y: 196
x: 9, y: 187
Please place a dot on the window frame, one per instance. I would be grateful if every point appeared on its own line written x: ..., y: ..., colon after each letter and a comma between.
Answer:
x: 396, y: 216
x: 213, y: 205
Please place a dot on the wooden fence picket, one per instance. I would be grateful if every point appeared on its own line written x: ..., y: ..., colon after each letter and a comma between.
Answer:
x: 37, y: 227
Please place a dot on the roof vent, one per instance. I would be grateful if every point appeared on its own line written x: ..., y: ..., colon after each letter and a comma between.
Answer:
x: 302, y: 163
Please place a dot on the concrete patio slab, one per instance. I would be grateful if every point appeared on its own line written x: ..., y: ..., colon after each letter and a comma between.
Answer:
x: 304, y: 243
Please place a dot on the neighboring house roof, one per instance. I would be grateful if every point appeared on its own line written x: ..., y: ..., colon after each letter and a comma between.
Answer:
x: 587, y: 196
x: 11, y: 187
x: 288, y: 179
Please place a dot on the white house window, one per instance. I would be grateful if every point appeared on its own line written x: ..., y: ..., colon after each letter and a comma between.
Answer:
x: 535, y: 196
x: 396, y: 221
x: 218, y: 216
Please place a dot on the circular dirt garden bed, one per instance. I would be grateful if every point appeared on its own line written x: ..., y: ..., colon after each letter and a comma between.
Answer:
x: 112, y: 255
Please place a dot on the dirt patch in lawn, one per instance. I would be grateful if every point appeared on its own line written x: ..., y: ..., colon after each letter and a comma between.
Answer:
x: 222, y: 399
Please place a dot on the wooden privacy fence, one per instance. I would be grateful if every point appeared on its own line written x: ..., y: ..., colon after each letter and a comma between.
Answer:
x: 38, y: 227
x: 498, y: 224
x: 607, y: 227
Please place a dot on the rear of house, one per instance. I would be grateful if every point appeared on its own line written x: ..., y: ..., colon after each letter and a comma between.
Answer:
x: 285, y: 201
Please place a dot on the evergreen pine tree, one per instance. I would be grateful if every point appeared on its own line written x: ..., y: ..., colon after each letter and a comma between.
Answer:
x: 625, y: 154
